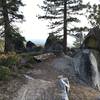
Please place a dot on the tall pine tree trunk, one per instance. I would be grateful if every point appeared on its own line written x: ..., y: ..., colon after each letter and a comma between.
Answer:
x: 65, y: 26
x: 7, y: 29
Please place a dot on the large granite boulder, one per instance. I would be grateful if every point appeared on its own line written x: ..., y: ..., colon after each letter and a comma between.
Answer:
x: 30, y: 46
x: 53, y: 44
x: 50, y: 40
x: 86, y: 64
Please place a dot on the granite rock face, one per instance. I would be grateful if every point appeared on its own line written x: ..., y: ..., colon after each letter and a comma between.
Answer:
x: 53, y: 44
x: 30, y: 46
x: 86, y: 65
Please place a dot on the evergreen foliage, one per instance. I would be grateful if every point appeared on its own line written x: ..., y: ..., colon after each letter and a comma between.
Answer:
x: 94, y: 14
x: 79, y: 40
x: 9, y: 13
x: 4, y: 73
x: 54, y: 12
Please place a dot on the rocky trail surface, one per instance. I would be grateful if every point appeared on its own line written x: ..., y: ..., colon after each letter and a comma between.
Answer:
x: 41, y: 82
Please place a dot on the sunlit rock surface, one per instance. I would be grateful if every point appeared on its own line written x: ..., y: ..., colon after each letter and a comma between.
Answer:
x: 86, y: 64
x: 63, y: 64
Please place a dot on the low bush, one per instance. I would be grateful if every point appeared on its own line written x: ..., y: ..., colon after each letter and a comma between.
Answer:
x: 31, y: 60
x: 9, y: 60
x: 4, y: 73
x: 39, y: 48
x: 28, y: 66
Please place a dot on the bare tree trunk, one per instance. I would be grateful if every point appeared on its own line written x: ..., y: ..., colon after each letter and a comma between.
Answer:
x: 65, y: 26
x: 7, y: 30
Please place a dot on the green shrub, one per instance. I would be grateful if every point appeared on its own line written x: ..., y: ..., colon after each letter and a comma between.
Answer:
x: 28, y: 65
x: 38, y: 49
x: 9, y: 60
x: 4, y: 73
x: 31, y: 60
x: 12, y: 60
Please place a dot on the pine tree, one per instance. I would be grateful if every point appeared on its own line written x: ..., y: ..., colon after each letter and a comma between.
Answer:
x: 94, y: 15
x: 57, y: 10
x: 9, y: 13
x: 79, y: 40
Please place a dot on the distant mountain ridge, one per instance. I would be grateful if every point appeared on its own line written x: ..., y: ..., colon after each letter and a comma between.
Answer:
x: 39, y: 42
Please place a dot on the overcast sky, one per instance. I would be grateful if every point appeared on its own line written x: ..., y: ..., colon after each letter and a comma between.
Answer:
x: 34, y: 29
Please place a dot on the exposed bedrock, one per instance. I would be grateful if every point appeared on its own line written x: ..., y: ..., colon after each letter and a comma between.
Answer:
x: 86, y: 64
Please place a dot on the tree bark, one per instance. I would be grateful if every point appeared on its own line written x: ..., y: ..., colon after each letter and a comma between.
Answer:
x: 7, y: 30
x: 65, y: 26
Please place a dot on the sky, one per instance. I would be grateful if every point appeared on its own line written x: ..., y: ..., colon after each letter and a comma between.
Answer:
x: 34, y: 29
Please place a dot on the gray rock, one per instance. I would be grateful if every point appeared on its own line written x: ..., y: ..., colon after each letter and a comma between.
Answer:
x: 97, y: 98
x: 86, y: 67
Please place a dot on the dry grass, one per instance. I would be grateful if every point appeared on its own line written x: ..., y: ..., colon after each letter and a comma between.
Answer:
x: 81, y: 92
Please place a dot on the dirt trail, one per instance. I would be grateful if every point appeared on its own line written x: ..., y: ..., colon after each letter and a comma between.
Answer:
x: 42, y: 84
x: 39, y: 80
x: 33, y: 89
